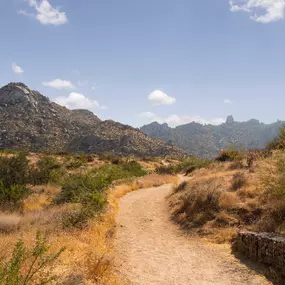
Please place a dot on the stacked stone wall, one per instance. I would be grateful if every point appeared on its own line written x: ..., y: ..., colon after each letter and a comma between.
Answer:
x: 265, y: 248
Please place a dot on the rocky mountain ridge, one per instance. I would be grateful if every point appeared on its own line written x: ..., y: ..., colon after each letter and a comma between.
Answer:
x: 30, y: 120
x: 207, y: 140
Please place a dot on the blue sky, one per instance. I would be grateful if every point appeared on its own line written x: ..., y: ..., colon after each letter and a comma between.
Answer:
x: 138, y: 61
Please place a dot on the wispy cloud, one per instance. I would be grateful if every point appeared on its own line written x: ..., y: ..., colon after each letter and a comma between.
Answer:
x: 59, y: 84
x: 158, y: 97
x: 45, y: 13
x: 16, y: 68
x: 262, y: 11
x: 176, y: 120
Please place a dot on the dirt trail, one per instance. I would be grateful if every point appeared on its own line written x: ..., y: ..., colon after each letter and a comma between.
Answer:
x: 151, y: 250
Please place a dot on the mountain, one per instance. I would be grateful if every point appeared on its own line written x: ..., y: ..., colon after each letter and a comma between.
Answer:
x: 30, y: 120
x: 207, y: 140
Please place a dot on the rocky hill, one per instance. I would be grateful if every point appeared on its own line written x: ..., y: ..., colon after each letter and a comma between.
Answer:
x: 30, y: 120
x: 208, y: 140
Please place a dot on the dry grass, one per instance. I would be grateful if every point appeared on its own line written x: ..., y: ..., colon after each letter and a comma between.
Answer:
x: 9, y: 223
x: 250, y: 198
x: 89, y: 250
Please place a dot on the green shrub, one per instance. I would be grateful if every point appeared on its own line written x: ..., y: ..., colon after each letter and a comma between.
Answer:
x: 14, y: 170
x: 14, y: 174
x: 84, y: 189
x: 29, y: 266
x: 47, y: 170
x: 13, y: 194
x: 191, y: 162
x: 229, y: 155
x: 113, y: 172
x: 279, y: 142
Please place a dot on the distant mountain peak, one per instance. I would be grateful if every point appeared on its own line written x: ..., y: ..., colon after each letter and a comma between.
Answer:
x: 30, y: 120
x: 230, y: 119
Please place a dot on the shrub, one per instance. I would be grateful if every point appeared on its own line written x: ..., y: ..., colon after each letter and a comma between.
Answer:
x: 191, y: 162
x: 47, y: 170
x: 279, y: 142
x: 84, y: 189
x: 275, y: 182
x: 228, y: 155
x: 14, y: 170
x: 74, y: 163
x: 239, y: 181
x: 198, y: 204
x: 111, y: 172
x: 78, y: 218
x: 28, y: 266
x: 165, y: 169
x: 13, y: 194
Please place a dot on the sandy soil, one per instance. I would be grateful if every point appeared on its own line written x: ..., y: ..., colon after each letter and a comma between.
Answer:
x: 150, y: 250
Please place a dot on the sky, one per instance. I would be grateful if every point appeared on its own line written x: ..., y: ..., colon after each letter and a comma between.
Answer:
x: 152, y: 60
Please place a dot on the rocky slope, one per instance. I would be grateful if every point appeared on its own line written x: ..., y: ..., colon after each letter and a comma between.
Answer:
x: 208, y: 140
x: 30, y: 120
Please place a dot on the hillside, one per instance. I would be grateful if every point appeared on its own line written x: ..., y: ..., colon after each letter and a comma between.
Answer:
x: 207, y: 140
x: 30, y: 120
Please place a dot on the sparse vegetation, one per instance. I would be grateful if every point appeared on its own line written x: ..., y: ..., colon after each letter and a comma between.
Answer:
x: 229, y: 155
x: 75, y: 205
x: 239, y: 181
x: 27, y: 266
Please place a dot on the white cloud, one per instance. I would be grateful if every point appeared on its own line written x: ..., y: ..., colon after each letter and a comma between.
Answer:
x: 77, y: 101
x: 227, y: 101
x: 175, y: 120
x: 45, y: 13
x: 16, y: 68
x: 262, y: 11
x: 158, y: 97
x: 59, y: 84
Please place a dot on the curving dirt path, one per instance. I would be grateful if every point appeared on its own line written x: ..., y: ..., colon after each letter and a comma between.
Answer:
x: 150, y: 250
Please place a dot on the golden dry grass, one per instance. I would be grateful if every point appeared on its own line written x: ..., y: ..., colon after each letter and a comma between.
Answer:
x: 243, y: 201
x: 88, y: 255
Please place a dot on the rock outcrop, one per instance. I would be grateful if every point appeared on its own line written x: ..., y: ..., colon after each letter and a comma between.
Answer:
x: 30, y: 120
x: 207, y: 140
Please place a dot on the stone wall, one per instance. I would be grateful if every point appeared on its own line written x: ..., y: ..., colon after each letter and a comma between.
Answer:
x: 265, y: 248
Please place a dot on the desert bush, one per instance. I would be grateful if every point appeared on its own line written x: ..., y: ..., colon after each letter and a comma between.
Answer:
x: 198, y: 204
x: 228, y: 155
x: 78, y: 218
x: 279, y: 142
x: 165, y: 169
x: 274, y: 183
x: 113, y: 172
x: 13, y: 194
x: 191, y: 162
x: 238, y: 181
x: 85, y: 189
x: 14, y: 170
x: 74, y: 163
x: 48, y: 169
x: 28, y: 266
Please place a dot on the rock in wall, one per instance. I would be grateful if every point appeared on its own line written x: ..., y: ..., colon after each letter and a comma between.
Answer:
x: 265, y: 248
